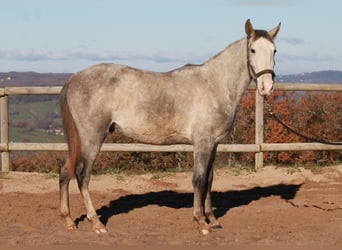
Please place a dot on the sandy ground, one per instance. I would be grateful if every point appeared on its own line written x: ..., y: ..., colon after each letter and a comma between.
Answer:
x: 274, y: 206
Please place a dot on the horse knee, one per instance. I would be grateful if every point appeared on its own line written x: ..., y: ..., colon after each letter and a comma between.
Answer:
x: 198, y: 182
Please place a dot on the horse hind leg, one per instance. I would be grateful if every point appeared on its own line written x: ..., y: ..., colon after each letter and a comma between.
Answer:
x: 83, y: 173
x: 83, y: 178
x: 64, y: 179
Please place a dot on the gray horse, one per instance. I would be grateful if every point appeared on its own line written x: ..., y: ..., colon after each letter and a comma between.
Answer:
x: 194, y: 104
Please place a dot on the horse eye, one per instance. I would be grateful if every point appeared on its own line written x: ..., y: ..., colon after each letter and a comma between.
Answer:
x: 275, y: 51
x: 253, y: 51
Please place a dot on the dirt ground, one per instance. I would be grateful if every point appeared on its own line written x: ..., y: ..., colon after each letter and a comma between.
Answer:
x: 274, y: 206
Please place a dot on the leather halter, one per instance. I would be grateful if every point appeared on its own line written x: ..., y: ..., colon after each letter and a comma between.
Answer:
x: 252, y: 72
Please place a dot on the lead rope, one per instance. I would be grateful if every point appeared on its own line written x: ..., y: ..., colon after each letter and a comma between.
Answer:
x: 308, y: 138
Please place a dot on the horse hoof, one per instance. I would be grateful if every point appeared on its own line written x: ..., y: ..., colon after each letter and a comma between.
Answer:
x: 71, y: 227
x: 204, y: 229
x: 101, y: 230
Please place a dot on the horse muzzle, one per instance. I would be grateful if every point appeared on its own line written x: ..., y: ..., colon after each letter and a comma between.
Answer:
x: 264, y: 81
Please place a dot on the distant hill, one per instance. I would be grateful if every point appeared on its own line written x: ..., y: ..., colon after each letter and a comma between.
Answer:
x: 16, y: 79
x: 57, y: 79
x: 328, y: 76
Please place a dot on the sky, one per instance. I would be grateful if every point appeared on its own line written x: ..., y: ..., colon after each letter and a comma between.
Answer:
x: 70, y: 35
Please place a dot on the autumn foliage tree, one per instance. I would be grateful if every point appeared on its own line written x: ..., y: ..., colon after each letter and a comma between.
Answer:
x: 314, y: 114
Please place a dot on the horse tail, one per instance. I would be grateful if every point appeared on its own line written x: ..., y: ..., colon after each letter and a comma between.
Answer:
x: 72, y: 135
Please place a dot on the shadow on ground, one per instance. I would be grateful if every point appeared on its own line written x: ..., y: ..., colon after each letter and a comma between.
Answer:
x: 223, y: 201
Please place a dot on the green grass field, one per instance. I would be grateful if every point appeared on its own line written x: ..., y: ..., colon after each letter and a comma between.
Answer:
x: 20, y: 135
x: 26, y: 110
x: 36, y: 111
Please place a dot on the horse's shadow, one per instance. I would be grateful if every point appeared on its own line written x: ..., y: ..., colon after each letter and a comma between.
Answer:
x: 223, y: 201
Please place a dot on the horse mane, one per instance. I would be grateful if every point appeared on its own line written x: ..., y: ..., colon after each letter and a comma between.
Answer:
x: 185, y: 67
x: 261, y: 34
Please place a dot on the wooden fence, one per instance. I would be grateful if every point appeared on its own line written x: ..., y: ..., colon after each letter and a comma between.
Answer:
x: 258, y: 147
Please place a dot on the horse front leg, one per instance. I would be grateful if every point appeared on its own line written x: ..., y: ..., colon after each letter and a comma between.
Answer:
x: 64, y: 180
x: 83, y: 178
x: 208, y: 209
x: 204, y: 155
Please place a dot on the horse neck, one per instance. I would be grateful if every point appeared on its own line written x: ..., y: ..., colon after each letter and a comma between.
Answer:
x: 229, y: 69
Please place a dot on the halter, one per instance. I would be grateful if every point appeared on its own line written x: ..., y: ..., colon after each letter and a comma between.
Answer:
x: 252, y: 72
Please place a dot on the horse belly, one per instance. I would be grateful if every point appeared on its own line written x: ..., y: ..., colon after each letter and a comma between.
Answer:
x: 157, y: 132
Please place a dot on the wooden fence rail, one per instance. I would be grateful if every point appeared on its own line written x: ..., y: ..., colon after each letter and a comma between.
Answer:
x: 258, y: 148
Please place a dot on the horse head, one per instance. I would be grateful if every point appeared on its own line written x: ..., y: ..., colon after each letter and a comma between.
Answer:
x: 260, y: 57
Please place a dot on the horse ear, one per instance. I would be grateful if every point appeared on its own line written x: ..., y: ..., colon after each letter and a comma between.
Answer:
x: 273, y: 32
x: 249, y: 28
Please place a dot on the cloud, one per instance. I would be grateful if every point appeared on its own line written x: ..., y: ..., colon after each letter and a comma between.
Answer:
x: 292, y: 40
x: 97, y: 55
x: 32, y: 55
